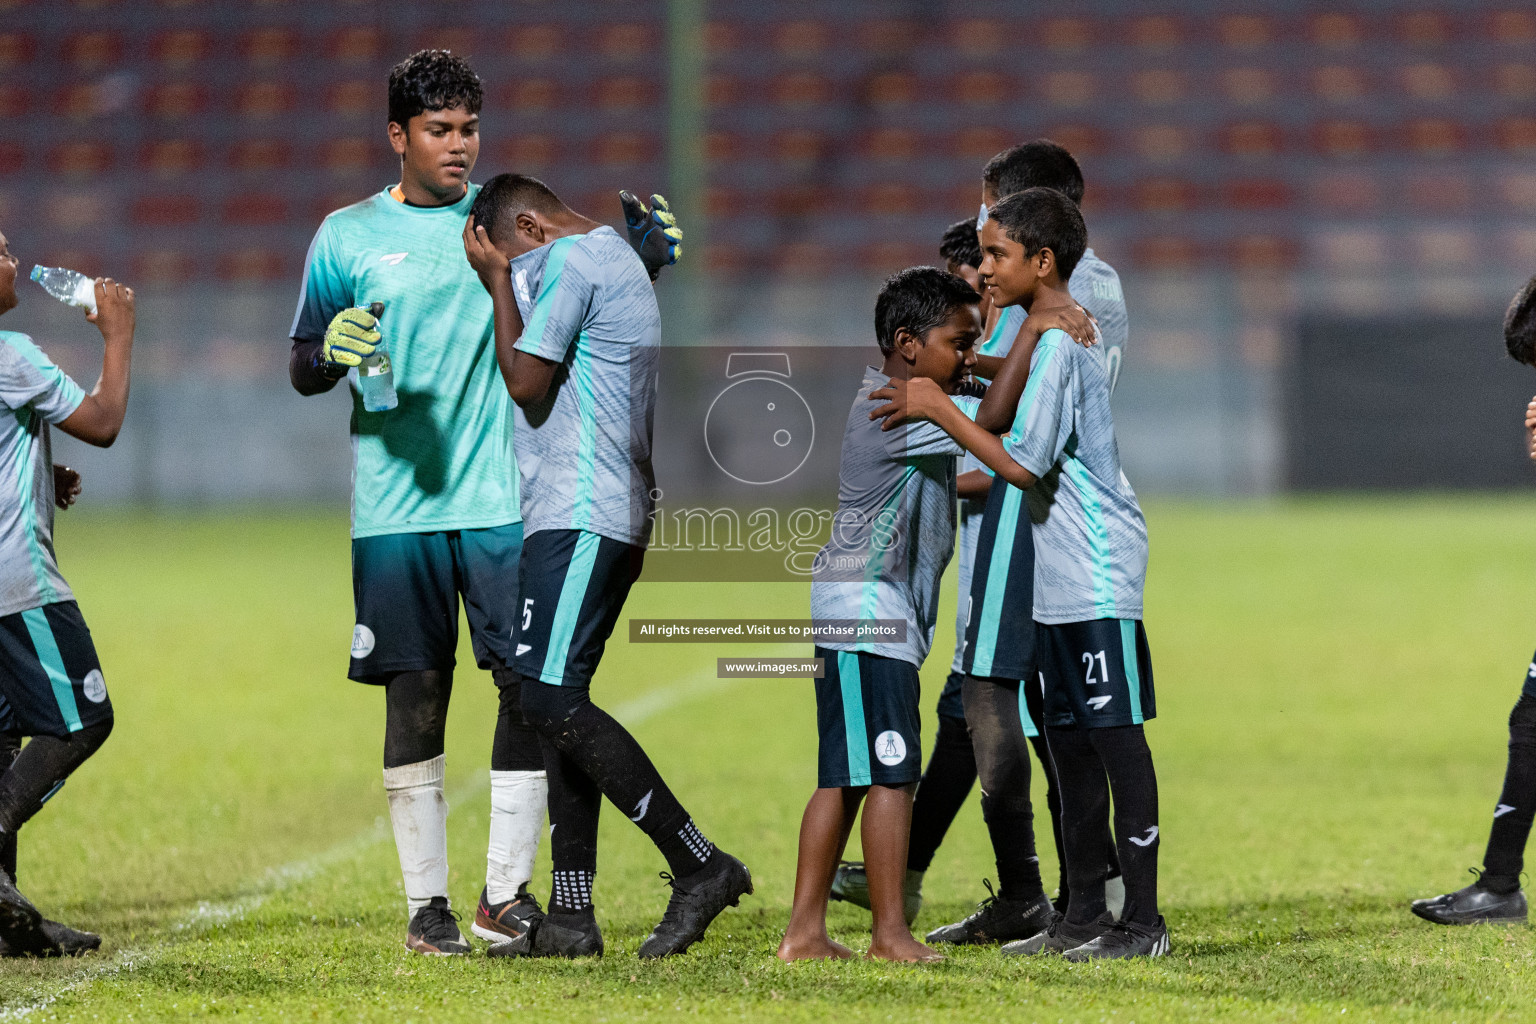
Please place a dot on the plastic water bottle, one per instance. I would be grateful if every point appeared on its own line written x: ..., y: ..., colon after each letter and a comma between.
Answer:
x: 68, y: 286
x: 375, y: 377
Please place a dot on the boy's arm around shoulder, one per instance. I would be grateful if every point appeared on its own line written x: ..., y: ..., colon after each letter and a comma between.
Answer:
x: 1002, y: 399
x: 921, y: 399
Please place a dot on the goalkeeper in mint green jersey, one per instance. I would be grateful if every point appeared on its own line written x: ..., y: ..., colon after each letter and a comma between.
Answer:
x: 435, y: 505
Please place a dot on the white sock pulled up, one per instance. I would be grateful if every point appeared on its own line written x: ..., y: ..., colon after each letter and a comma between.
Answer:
x: 518, y: 801
x: 419, y: 813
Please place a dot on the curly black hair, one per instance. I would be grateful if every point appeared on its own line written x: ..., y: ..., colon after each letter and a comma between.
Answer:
x: 1520, y: 325
x: 919, y: 299
x: 960, y: 245
x: 1037, y: 164
x: 432, y: 80
x: 1043, y: 218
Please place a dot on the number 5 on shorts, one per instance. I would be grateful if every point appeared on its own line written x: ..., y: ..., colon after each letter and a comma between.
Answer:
x: 527, y: 612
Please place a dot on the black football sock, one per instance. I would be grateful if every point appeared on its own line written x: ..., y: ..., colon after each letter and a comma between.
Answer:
x: 1053, y: 804
x: 1133, y: 783
x: 1084, y: 790
x: 1002, y: 766
x: 942, y: 791
x: 10, y: 746
x: 610, y: 757
x: 41, y: 768
x: 515, y: 746
x: 574, y: 804
x: 1505, y: 858
x: 415, y: 716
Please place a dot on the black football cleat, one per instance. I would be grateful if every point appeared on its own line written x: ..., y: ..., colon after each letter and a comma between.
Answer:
x: 998, y: 920
x: 556, y: 934
x: 434, y: 931
x: 1123, y: 941
x: 1472, y: 905
x: 697, y: 899
x: 62, y: 940
x: 20, y: 923
x: 1059, y: 936
x: 502, y: 922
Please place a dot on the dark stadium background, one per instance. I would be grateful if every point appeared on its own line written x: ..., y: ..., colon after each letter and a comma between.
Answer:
x: 1318, y: 210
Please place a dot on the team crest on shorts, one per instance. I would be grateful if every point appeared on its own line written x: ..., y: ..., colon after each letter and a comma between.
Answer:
x: 94, y: 686
x: 362, y: 641
x: 890, y: 748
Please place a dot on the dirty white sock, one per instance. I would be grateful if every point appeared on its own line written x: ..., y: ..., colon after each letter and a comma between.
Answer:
x: 419, y: 813
x: 518, y: 801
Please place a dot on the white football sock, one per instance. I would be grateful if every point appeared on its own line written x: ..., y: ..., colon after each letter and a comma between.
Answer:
x: 419, y: 813
x: 518, y: 800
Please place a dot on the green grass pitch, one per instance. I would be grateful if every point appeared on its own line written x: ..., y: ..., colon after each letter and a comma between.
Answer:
x: 1333, y: 676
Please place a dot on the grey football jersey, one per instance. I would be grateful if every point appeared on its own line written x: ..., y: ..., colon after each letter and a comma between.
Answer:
x: 894, y: 530
x: 33, y: 393
x: 1090, y: 536
x: 584, y: 454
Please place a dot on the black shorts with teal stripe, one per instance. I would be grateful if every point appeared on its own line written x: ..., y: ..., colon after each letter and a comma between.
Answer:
x: 1000, y: 625
x: 1096, y: 674
x: 406, y: 589
x: 50, y: 678
x: 868, y: 717
x: 573, y: 584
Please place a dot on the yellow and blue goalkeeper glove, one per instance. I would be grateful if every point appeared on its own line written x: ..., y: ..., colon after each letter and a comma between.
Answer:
x: 352, y: 336
x: 653, y: 233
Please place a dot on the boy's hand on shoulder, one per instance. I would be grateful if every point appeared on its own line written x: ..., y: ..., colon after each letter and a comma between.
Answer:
x: 1076, y: 321
x: 115, y: 316
x: 918, y: 398
x: 66, y: 486
x: 1530, y: 426
x: 491, y: 266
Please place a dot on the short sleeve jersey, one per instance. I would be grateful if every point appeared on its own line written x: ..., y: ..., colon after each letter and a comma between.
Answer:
x: 1090, y: 536
x: 33, y: 393
x: 442, y: 459
x: 894, y: 530
x: 585, y: 451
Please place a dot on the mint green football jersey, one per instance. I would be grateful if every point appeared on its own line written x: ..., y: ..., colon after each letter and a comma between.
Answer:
x: 442, y: 459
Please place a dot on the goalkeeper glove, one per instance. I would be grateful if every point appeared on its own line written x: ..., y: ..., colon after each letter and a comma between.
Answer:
x: 653, y: 233
x: 352, y: 336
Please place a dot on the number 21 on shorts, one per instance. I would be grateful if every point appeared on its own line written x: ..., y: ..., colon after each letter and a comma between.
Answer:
x: 1089, y: 659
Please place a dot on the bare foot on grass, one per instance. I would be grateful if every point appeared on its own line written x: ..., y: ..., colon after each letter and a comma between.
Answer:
x: 908, y: 951
x: 820, y: 948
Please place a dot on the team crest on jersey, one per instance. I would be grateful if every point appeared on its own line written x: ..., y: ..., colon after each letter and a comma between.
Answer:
x: 362, y: 641
x: 890, y: 748
x: 94, y: 686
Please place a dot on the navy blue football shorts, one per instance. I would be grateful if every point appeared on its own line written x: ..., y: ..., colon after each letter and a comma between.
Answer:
x: 50, y: 678
x: 1096, y: 674
x: 868, y: 717
x: 573, y: 584
x: 406, y: 588
x: 1000, y: 623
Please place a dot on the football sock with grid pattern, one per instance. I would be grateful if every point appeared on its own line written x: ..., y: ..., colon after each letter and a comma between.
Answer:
x: 942, y: 791
x: 574, y: 805
x: 1505, y: 857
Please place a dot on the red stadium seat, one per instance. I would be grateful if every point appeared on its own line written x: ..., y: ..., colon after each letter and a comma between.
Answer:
x: 627, y: 42
x: 805, y: 259
x: 1435, y: 136
x: 1165, y: 195
x: 254, y: 209
x: 893, y: 145
x: 1437, y: 193
x: 1249, y: 85
x: 1247, y: 31
x: 726, y: 147
x: 798, y: 39
x: 180, y: 48
x: 1517, y: 135
x: 1264, y: 252
x: 798, y: 147
x: 1067, y: 88
x: 623, y: 149
x: 799, y: 200
x: 1081, y: 140
x: 626, y: 92
x: 16, y: 49
x: 87, y: 261
x: 527, y: 154
x: 78, y: 101
x: 725, y: 260
x: 983, y: 89
x: 1516, y: 28
x: 888, y: 37
x: 1515, y: 81
x: 1340, y: 83
x: 91, y: 51
x: 260, y: 156
x: 801, y: 89
x: 1353, y: 192
x: 164, y: 267
x: 13, y: 100
x: 529, y: 43
x: 890, y: 199
x: 163, y: 211
x: 724, y: 91
x: 175, y: 101
x: 1166, y: 252
x: 1257, y: 194
x: 1253, y: 139
x: 265, y: 47
x: 982, y: 142
x: 1162, y: 143
x: 1518, y: 189
x: 355, y: 44
x: 80, y: 159
x: 265, y: 99
x: 980, y: 37
x: 171, y: 158
x: 352, y: 155
x: 1426, y: 28
x: 1159, y: 86
x: 1428, y: 81
x: 891, y: 90
x: 358, y: 97
x: 13, y: 157
x: 722, y: 38
x: 531, y: 95
x: 722, y: 203
x: 1343, y: 138
x: 255, y: 265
